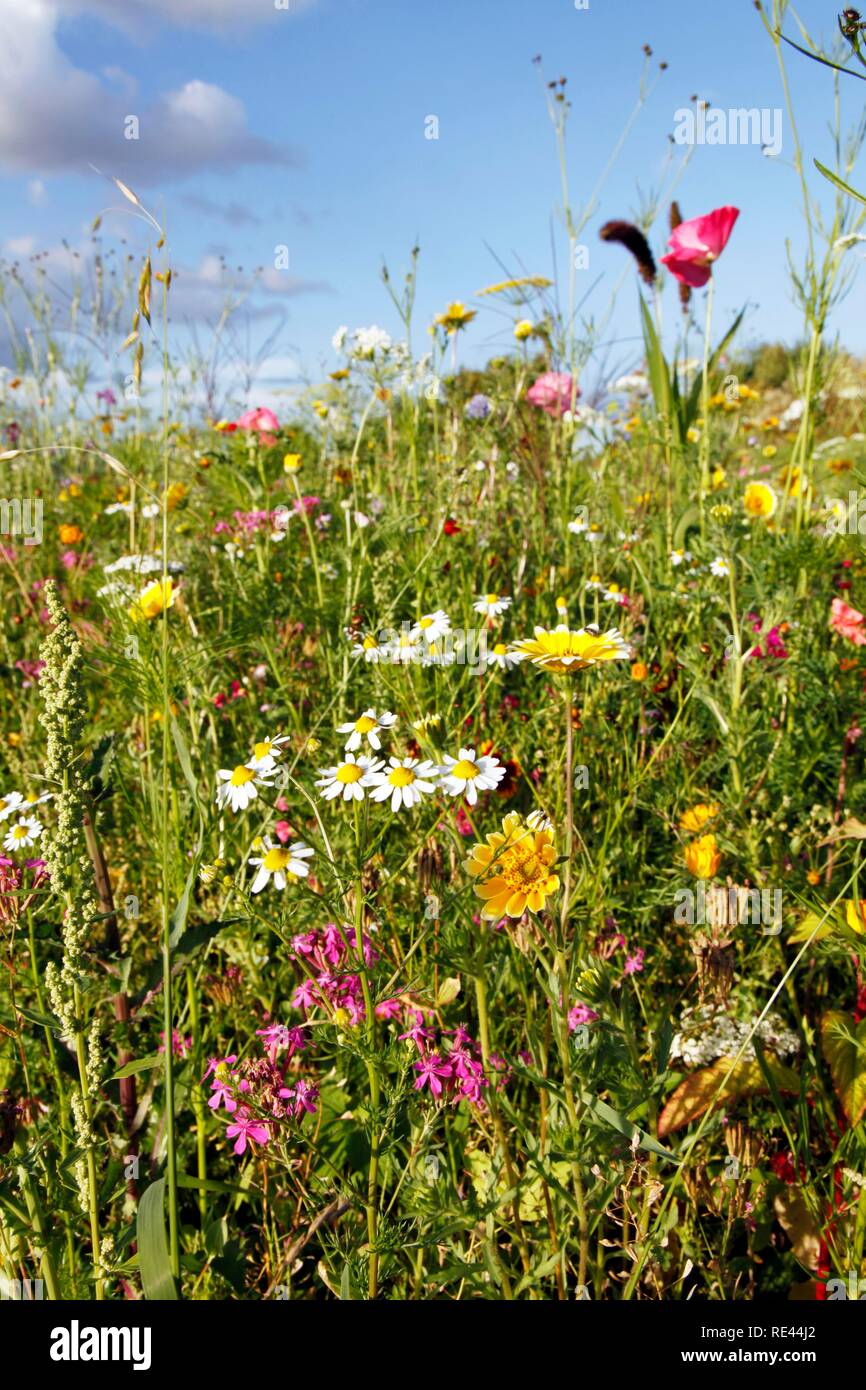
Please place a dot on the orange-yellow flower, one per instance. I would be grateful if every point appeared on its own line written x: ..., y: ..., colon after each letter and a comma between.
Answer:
x: 455, y: 317
x: 562, y: 651
x: 514, y: 868
x: 153, y: 600
x: 702, y: 857
x: 696, y: 818
x: 855, y: 915
x: 71, y: 535
x: 639, y: 671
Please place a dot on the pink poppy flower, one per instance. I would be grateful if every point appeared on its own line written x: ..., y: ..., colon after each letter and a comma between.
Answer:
x: 263, y: 421
x: 848, y: 623
x: 694, y: 245
x: 552, y: 393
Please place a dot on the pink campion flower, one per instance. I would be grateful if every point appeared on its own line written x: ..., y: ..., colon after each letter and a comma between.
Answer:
x: 581, y: 1013
x: 847, y: 622
x: 388, y: 1008
x: 431, y: 1070
x: 263, y: 421
x: 417, y: 1034
x: 283, y: 831
x: 695, y: 244
x: 303, y: 1096
x: 222, y: 1085
x: 246, y: 1127
x: 180, y: 1046
x: 634, y: 963
x: 334, y: 944
x: 552, y: 393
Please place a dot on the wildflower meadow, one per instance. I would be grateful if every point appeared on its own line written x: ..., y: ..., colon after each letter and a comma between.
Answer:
x: 433, y: 793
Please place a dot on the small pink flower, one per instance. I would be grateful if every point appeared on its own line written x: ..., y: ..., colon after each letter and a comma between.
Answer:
x: 697, y: 243
x: 283, y: 831
x: 246, y: 1128
x: 847, y: 622
x: 581, y: 1013
x: 552, y: 393
x: 430, y: 1071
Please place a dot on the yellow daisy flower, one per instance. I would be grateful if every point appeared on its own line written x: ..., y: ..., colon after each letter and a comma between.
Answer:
x: 513, y: 870
x: 562, y: 650
x: 759, y: 500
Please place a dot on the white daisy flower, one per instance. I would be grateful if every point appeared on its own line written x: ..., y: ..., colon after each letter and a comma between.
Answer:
x: 720, y: 568
x: 366, y: 726
x: 492, y: 605
x: 23, y: 834
x: 578, y: 526
x: 31, y: 799
x: 405, y: 650
x: 467, y: 775
x: 282, y: 863
x: 266, y: 752
x: 369, y: 649
x: 614, y: 594
x: 537, y: 820
x: 680, y: 557
x: 10, y: 804
x: 239, y: 785
x: 594, y: 534
x: 405, y: 781
x: 432, y: 626
x: 437, y: 655
x: 500, y: 656
x: 348, y: 779
x: 594, y: 583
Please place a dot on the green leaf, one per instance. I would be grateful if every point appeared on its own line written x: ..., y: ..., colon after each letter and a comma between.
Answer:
x: 844, y: 1045
x: 606, y: 1113
x: 840, y: 183
x: 153, y: 1261
x: 181, y: 912
x: 707, y: 1086
x: 183, y: 757
x: 153, y: 1059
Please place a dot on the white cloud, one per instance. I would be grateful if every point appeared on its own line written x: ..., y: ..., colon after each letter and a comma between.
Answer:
x: 36, y: 192
x: 57, y: 118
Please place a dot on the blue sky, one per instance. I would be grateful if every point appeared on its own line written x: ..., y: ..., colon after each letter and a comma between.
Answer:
x: 260, y: 127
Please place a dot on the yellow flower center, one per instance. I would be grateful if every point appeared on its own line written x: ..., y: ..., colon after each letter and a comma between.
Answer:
x: 500, y: 649
x: 20, y: 832
x: 275, y: 859
x: 364, y: 724
x: 369, y: 644
x: 426, y: 622
x: 492, y: 598
x: 401, y: 776
x: 521, y: 868
x: 241, y: 776
x: 262, y: 750
x: 349, y: 772
x: 465, y: 769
